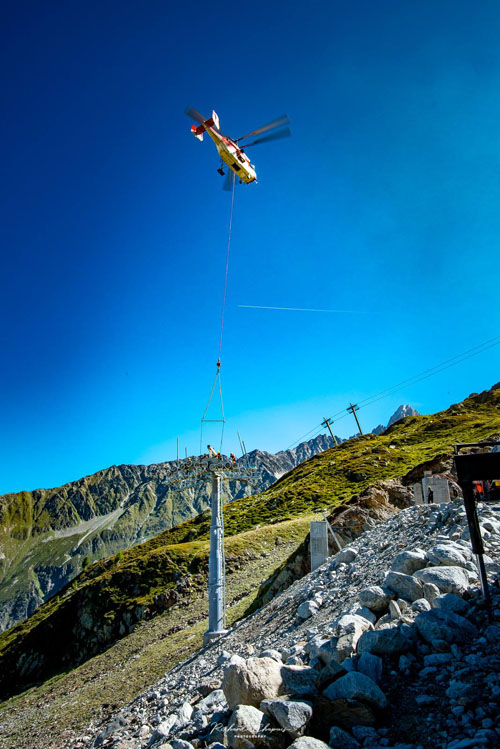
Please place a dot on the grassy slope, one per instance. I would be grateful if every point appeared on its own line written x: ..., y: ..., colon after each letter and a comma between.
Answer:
x: 72, y: 699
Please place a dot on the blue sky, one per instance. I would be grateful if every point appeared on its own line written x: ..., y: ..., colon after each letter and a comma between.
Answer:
x: 384, y: 204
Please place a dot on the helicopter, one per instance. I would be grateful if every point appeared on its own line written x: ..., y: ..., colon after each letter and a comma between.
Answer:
x: 232, y: 154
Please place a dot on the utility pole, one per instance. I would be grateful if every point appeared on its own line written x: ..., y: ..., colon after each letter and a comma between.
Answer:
x: 353, y: 408
x: 326, y: 423
x: 194, y: 471
x: 216, y: 565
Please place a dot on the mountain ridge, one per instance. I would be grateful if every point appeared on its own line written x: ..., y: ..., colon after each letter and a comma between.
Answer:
x: 47, y: 535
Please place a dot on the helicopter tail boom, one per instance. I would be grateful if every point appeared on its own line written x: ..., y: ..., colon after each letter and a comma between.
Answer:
x: 213, y: 121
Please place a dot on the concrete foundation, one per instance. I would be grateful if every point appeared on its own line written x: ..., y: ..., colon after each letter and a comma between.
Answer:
x: 318, y: 543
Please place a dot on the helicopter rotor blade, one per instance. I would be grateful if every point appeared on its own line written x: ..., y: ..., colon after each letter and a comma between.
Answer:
x: 195, y: 115
x: 274, y: 136
x: 283, y: 120
x: 229, y: 181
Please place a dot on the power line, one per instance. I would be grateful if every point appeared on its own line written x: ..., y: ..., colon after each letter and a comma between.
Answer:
x: 413, y: 380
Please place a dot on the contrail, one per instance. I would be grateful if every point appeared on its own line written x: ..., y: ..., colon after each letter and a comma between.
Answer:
x: 296, y: 309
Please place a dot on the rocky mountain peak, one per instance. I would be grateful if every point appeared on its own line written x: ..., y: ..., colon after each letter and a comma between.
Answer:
x: 400, y: 413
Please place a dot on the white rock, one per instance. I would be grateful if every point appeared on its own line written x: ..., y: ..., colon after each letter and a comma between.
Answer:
x: 307, y: 742
x: 307, y: 609
x: 447, y: 579
x: 356, y: 686
x: 184, y: 714
x: 292, y: 715
x: 375, y: 598
x: 251, y: 682
x: 405, y: 586
x: 345, y: 556
x: 446, y: 555
x: 247, y: 728
x: 351, y: 624
x: 409, y: 562
x: 421, y: 604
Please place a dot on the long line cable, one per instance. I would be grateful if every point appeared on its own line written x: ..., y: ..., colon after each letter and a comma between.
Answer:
x: 419, y: 377
x: 217, y: 378
x: 227, y: 269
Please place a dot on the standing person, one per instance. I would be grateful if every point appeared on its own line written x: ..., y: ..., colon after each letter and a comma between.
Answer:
x: 430, y: 496
x: 211, y: 451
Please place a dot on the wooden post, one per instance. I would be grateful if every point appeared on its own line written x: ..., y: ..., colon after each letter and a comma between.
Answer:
x: 326, y: 423
x: 353, y: 408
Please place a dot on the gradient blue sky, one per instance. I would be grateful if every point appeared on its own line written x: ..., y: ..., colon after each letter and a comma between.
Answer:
x: 384, y: 203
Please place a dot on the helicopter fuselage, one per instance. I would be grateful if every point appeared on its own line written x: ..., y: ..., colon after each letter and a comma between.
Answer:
x: 235, y: 158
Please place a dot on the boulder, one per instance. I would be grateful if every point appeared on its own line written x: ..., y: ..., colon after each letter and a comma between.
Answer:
x: 213, y: 701
x: 346, y: 645
x: 351, y: 624
x: 366, y: 613
x: 307, y: 609
x: 375, y: 598
x: 330, y: 673
x: 345, y: 556
x: 370, y: 665
x: 436, y: 626
x: 356, y: 686
x: 447, y: 579
x: 314, y: 645
x: 249, y: 728
x: 409, y: 562
x: 307, y: 742
x: 343, y: 713
x: 421, y: 604
x: 271, y: 653
x: 180, y: 744
x: 164, y: 729
x: 340, y: 739
x: 383, y: 642
x: 394, y: 610
x: 405, y: 586
x: 328, y: 651
x: 299, y: 681
x: 446, y: 555
x: 252, y: 681
x: 430, y: 592
x: 292, y: 715
x: 451, y: 602
x: 184, y: 714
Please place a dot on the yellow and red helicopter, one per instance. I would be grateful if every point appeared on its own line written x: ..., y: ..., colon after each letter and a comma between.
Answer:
x: 230, y: 152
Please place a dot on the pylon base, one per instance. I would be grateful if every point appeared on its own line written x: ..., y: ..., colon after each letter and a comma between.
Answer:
x: 209, y: 637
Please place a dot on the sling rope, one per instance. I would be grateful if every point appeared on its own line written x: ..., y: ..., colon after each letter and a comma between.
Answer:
x: 217, y: 378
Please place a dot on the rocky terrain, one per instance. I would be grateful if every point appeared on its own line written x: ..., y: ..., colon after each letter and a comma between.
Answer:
x: 48, y: 535
x: 389, y: 643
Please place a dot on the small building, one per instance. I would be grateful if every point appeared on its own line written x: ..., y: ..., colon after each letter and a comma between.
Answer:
x: 438, y: 484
